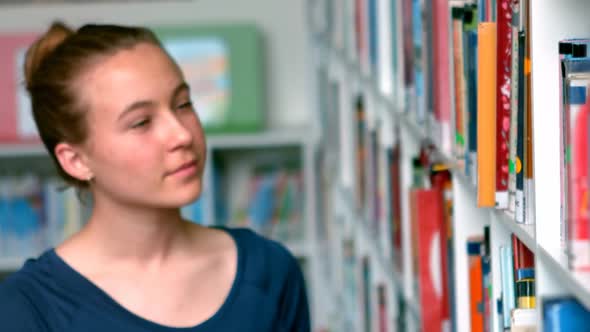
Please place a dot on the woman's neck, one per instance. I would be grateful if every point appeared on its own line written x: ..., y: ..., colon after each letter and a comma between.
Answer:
x: 135, y: 235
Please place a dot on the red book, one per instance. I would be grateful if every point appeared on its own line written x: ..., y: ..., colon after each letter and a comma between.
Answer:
x: 523, y: 257
x: 503, y: 101
x: 578, y: 213
x: 441, y: 74
x: 360, y: 24
x: 442, y: 182
x: 16, y: 121
x: 428, y: 214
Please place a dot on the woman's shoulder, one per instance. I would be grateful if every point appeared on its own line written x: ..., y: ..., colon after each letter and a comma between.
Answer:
x: 262, y: 257
x: 20, y: 308
x: 261, y: 246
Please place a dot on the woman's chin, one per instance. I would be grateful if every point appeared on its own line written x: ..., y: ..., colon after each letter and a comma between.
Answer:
x: 187, y: 195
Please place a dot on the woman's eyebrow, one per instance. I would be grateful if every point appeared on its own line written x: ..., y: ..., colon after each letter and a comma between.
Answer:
x: 181, y: 87
x: 135, y: 106
x: 150, y: 103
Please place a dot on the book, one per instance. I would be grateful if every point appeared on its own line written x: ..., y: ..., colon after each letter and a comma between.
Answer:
x: 362, y: 34
x: 476, y: 305
x: 576, y: 141
x: 523, y: 320
x: 513, y: 164
x: 470, y: 54
x: 428, y: 219
x: 568, y: 48
x: 366, y: 283
x: 503, y: 100
x: 361, y: 152
x: 519, y: 205
x: 528, y: 151
x: 382, y: 307
x: 486, y: 269
x: 441, y: 71
x: 523, y: 256
x: 441, y: 180
x: 564, y: 314
x: 459, y: 82
x: 373, y: 39
x: 387, y: 48
x: 408, y: 56
x: 507, y: 273
x: 351, y: 300
x: 394, y: 157
x: 418, y: 42
x: 486, y: 119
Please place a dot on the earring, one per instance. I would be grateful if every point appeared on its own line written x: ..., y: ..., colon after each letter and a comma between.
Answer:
x: 90, y: 178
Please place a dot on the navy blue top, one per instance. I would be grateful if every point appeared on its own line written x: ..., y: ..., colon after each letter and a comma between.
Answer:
x: 268, y: 294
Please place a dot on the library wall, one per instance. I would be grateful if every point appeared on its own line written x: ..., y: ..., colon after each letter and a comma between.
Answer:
x: 282, y: 24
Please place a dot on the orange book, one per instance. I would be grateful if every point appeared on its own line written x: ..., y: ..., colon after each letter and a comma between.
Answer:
x: 486, y: 114
x: 476, y: 305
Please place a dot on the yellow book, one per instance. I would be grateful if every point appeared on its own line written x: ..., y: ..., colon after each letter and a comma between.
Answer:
x: 486, y: 114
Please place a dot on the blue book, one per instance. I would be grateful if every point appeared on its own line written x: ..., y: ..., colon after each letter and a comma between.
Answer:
x: 507, y: 277
x: 565, y: 314
x: 417, y: 35
x: 373, y: 36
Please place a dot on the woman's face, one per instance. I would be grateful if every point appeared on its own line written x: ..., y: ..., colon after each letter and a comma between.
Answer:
x: 146, y: 145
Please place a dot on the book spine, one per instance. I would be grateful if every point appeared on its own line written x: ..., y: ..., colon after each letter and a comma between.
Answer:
x: 529, y: 169
x: 514, y: 111
x: 459, y: 81
x: 373, y: 10
x: 475, y: 284
x: 519, y: 163
x: 442, y: 92
x: 579, y: 239
x: 486, y: 120
x: 503, y: 101
x: 418, y: 63
x: 427, y: 234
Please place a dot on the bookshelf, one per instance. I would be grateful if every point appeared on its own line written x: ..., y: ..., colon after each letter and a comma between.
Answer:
x: 10, y: 264
x: 343, y: 70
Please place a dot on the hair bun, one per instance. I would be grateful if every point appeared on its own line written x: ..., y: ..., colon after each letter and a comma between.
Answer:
x: 44, y: 46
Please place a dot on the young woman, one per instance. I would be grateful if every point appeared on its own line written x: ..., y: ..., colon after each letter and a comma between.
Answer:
x: 114, y: 112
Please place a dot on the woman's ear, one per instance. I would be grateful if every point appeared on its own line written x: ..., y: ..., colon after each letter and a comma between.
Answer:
x: 73, y: 162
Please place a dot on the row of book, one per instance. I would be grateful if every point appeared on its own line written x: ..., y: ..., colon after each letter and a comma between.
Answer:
x: 431, y: 204
x: 470, y: 85
x: 365, y: 303
x: 268, y: 199
x: 35, y: 214
x: 272, y: 204
x: 516, y: 307
x: 464, y: 72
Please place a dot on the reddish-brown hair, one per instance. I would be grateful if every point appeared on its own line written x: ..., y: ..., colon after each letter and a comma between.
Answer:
x: 53, y: 66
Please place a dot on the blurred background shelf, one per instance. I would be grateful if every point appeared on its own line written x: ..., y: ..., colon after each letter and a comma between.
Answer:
x: 560, y: 273
x: 21, y: 151
x: 11, y: 264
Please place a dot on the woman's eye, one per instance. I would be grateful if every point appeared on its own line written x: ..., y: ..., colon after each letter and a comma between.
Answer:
x: 141, y: 123
x: 186, y: 105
